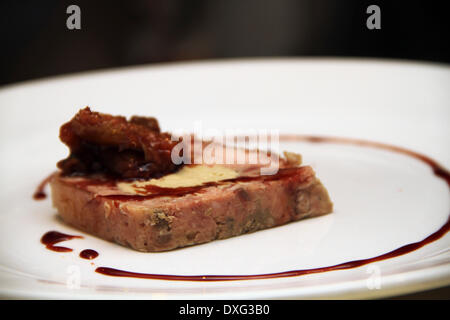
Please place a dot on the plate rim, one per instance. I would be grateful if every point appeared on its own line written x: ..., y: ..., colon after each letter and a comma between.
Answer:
x: 397, y: 284
x: 223, y: 61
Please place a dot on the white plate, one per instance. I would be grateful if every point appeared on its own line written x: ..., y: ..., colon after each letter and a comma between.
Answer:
x: 383, y: 200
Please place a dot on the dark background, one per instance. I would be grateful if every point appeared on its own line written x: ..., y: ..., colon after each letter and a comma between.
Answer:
x: 36, y: 42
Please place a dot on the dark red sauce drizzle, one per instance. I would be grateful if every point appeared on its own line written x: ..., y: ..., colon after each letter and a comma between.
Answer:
x: 342, y: 266
x: 88, y: 254
x: 53, y: 237
x: 40, y: 194
x: 438, y: 170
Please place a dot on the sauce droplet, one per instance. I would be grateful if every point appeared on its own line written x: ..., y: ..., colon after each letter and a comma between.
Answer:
x: 88, y: 254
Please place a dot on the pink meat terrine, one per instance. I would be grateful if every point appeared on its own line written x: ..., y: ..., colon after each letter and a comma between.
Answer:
x: 104, y: 197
